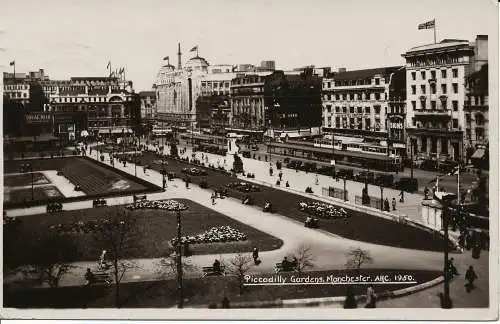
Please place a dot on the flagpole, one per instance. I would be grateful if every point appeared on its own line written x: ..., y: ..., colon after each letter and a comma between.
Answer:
x: 434, y: 31
x: 14, y: 71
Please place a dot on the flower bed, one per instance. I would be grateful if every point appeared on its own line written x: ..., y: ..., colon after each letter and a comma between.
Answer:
x: 214, y: 235
x: 322, y: 210
x: 171, y: 205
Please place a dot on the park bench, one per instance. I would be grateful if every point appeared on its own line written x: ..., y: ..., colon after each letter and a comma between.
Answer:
x: 278, y: 267
x: 209, y: 271
x: 140, y: 197
x: 99, y: 202
x: 102, y: 278
x: 54, y: 207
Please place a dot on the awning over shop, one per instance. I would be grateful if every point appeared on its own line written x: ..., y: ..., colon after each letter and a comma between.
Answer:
x: 479, y: 154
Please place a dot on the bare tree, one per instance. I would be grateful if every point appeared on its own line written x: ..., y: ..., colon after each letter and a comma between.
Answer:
x: 356, y: 257
x: 238, y: 267
x: 116, y: 232
x: 304, y: 258
x: 167, y: 266
x: 53, y: 256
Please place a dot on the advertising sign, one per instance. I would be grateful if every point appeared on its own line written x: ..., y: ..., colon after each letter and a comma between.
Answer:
x: 38, y: 118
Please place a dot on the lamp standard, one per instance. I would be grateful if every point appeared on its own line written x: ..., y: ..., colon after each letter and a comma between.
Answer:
x: 29, y: 166
x: 345, y: 192
x: 445, y: 200
x: 179, y: 261
x: 381, y: 198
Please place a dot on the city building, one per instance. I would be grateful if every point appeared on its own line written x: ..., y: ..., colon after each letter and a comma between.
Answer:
x: 436, y: 77
x: 96, y: 105
x: 275, y: 100
x: 148, y: 105
x: 361, y: 111
x: 476, y: 117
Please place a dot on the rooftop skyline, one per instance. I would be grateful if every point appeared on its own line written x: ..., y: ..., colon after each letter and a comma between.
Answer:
x: 74, y: 38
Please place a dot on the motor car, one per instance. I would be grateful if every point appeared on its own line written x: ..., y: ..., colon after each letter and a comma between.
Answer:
x: 406, y: 184
x: 384, y: 180
x: 347, y: 173
x: 365, y: 176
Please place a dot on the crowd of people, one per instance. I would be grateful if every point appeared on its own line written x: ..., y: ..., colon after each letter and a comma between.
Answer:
x: 214, y: 235
x: 170, y: 204
x: 322, y: 210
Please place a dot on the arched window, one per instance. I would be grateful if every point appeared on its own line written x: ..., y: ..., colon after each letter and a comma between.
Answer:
x: 479, y: 119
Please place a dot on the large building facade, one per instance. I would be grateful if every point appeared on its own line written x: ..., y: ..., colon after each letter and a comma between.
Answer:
x: 436, y: 94
x: 363, y: 110
x: 277, y: 100
x: 97, y: 105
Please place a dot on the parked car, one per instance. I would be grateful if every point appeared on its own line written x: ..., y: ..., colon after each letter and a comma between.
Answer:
x: 429, y: 165
x: 347, y: 173
x: 194, y: 171
x: 365, y: 176
x: 406, y: 184
x: 384, y: 180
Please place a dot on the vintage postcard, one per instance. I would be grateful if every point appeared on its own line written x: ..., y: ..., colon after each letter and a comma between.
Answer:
x: 309, y: 160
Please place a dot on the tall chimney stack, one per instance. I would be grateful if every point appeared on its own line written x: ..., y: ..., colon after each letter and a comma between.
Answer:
x: 179, y: 54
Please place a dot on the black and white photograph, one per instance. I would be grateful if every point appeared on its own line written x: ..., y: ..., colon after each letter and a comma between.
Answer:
x: 252, y: 160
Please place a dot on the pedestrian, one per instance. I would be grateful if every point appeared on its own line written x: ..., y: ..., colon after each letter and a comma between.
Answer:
x: 402, y: 195
x: 213, y: 198
x: 316, y: 181
x: 287, y: 185
x: 89, y: 276
x: 426, y: 193
x: 225, y: 302
x: 280, y: 175
x: 371, y: 298
x: 393, y: 203
x: 350, y: 300
x: 255, y: 255
x: 386, y: 205
x: 452, y: 270
x: 470, y: 276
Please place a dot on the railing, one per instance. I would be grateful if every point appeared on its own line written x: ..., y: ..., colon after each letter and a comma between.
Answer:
x: 335, y: 193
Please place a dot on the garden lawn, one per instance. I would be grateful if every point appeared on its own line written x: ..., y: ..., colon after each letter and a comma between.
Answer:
x: 24, y: 179
x: 199, y: 292
x: 153, y: 230
x: 359, y: 226
x: 24, y: 194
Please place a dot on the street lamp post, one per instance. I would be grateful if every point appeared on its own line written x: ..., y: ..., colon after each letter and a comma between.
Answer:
x: 381, y: 198
x: 179, y: 262
x: 345, y: 192
x: 445, y: 200
x: 411, y: 159
x: 29, y: 166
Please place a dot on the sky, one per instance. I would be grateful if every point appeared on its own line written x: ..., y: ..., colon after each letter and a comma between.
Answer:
x: 78, y: 38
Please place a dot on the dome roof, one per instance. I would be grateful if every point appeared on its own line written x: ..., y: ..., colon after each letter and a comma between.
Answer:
x: 196, y: 62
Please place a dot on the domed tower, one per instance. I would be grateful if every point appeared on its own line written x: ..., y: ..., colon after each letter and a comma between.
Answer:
x: 196, y: 63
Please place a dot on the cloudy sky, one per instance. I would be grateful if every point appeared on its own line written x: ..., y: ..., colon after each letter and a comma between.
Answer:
x: 77, y: 38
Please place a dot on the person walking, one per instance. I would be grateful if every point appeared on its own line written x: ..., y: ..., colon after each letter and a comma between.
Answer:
x: 426, y: 193
x: 386, y: 205
x: 470, y: 276
x: 280, y: 175
x: 452, y: 270
x: 402, y: 196
x: 255, y: 255
x: 371, y: 298
x: 213, y: 198
x: 393, y: 203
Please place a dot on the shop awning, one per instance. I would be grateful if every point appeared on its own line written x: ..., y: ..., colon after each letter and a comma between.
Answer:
x: 479, y: 154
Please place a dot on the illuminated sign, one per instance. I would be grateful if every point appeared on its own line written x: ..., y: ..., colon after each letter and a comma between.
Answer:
x: 38, y: 118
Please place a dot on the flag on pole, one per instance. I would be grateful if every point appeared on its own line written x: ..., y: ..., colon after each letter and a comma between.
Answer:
x: 109, y: 65
x: 12, y: 63
x: 428, y: 25
x: 122, y: 70
x: 194, y: 48
x: 165, y: 58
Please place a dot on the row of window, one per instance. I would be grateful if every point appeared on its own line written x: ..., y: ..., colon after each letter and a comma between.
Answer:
x: 432, y: 87
x: 423, y: 105
x: 353, y: 110
x: 345, y: 83
x: 248, y: 80
x: 11, y: 87
x: 91, y: 99
x: 355, y: 96
x: 18, y: 95
x: 215, y: 84
x: 434, y: 125
x: 423, y: 74
x: 448, y: 59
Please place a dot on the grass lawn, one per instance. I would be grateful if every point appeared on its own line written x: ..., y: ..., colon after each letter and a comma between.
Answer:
x: 359, y: 226
x: 92, y: 178
x: 199, y: 292
x: 153, y: 230
x: 20, y: 180
x: 24, y: 194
